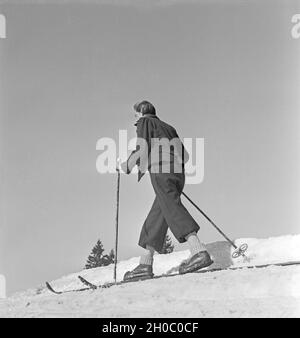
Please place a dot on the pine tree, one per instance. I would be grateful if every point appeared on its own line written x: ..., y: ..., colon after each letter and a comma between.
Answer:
x: 97, y: 257
x: 168, y: 246
x: 110, y: 258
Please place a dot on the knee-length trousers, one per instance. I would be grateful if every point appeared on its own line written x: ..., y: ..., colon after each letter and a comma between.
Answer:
x: 166, y: 212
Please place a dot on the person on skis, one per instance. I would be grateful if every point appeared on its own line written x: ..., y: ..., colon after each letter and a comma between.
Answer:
x: 160, y: 152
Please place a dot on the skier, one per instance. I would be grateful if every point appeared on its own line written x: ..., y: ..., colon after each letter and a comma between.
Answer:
x: 166, y: 168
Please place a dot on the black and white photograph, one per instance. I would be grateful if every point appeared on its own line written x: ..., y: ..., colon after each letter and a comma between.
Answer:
x: 149, y: 161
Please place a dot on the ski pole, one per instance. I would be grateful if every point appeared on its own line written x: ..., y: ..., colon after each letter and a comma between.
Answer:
x: 239, y: 251
x: 117, y: 223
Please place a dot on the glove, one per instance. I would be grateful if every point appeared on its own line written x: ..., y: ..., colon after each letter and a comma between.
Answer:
x: 122, y: 166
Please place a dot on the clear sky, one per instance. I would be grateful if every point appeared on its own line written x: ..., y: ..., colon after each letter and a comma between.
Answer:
x: 227, y: 72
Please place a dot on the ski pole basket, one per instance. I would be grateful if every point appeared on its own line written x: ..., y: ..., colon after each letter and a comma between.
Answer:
x: 240, y: 251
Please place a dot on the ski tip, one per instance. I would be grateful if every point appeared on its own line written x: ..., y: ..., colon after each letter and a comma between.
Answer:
x: 87, y: 283
x: 49, y: 287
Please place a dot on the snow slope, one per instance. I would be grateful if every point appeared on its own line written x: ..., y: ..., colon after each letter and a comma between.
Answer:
x: 267, y: 292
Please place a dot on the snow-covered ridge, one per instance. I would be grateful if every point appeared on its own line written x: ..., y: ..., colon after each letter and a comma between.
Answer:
x: 260, y: 251
x: 273, y: 291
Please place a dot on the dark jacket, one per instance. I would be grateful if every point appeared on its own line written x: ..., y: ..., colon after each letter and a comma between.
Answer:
x: 158, y: 148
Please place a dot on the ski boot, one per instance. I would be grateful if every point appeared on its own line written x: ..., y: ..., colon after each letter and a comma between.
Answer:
x: 141, y: 272
x: 198, y: 261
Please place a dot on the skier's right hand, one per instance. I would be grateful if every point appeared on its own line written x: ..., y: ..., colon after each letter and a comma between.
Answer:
x: 118, y: 164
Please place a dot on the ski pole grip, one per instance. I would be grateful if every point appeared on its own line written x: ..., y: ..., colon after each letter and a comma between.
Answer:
x: 118, y: 167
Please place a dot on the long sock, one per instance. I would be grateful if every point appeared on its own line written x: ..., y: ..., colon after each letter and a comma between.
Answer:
x: 147, y: 258
x: 195, y: 245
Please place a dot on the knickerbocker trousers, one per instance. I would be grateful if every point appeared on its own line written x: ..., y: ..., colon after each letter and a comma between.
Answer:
x: 167, y: 211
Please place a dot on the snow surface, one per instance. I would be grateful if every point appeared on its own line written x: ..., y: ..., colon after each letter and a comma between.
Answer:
x: 269, y: 292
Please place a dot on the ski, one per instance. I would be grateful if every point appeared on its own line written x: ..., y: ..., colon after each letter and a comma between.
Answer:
x: 50, y: 288
x: 92, y: 286
x: 109, y: 284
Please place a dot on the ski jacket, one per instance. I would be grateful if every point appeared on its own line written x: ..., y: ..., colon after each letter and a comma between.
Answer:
x: 158, y: 148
